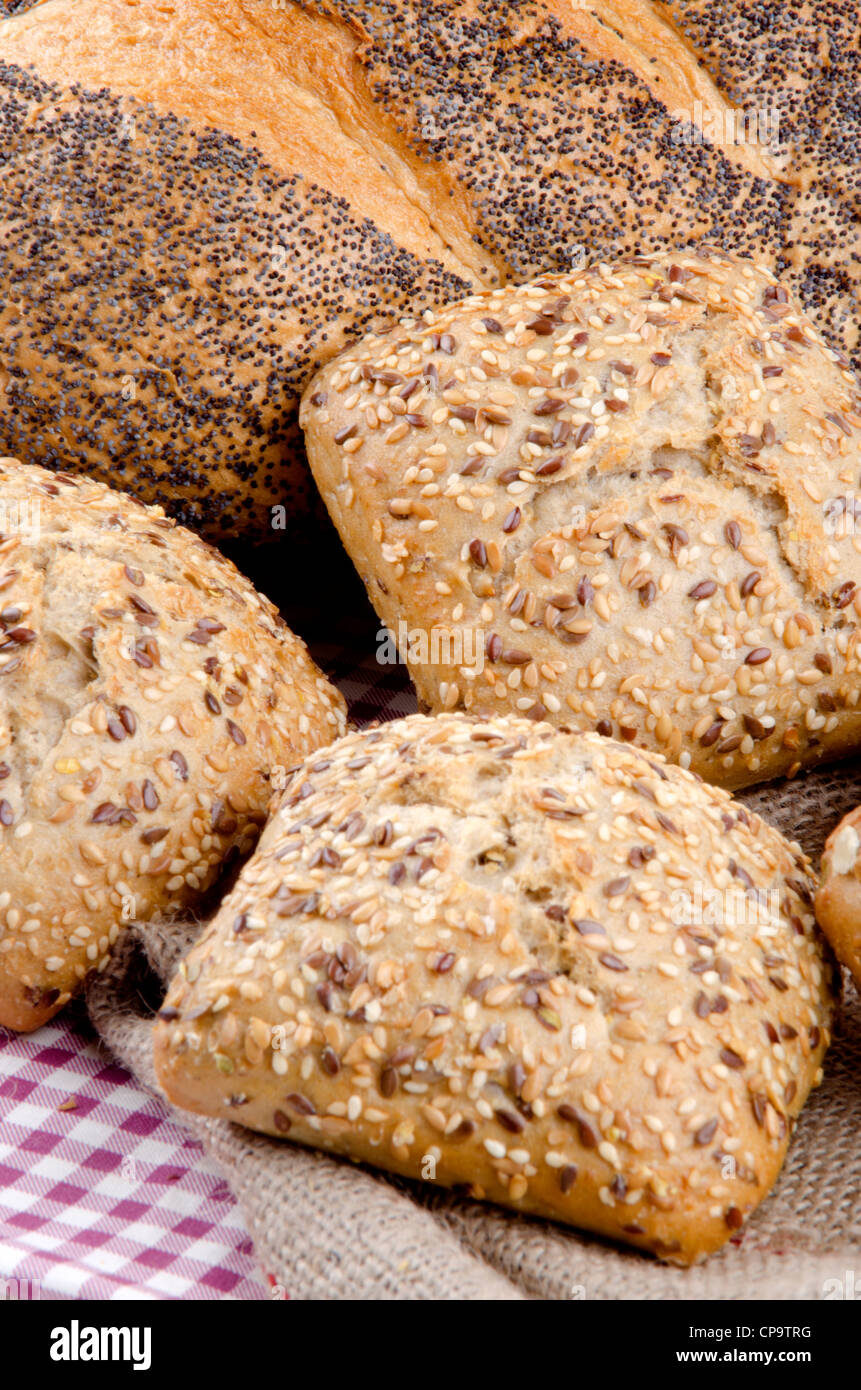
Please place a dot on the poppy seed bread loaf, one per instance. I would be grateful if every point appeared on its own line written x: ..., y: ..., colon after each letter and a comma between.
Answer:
x: 542, y: 966
x: 185, y: 239
x: 202, y: 202
x: 147, y: 694
x: 622, y: 499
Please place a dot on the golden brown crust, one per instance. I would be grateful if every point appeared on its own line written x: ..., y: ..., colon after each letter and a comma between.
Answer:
x: 647, y: 126
x: 543, y: 965
x: 623, y: 499
x: 147, y: 696
x: 317, y: 170
x: 215, y: 170
x: 287, y: 82
x: 838, y: 900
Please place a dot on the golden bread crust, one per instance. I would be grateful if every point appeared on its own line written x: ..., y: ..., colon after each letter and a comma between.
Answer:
x: 218, y: 196
x: 622, y: 499
x: 489, y: 954
x: 148, y: 694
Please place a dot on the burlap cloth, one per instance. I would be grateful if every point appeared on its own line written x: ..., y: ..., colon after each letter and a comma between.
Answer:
x: 328, y: 1229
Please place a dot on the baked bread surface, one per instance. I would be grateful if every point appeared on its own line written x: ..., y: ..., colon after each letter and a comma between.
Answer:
x: 622, y: 499
x: 190, y: 232
x: 544, y: 966
x: 202, y: 202
x: 147, y: 696
x: 838, y: 899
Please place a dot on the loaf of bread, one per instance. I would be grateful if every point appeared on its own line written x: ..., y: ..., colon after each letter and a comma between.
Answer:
x: 621, y: 499
x: 544, y: 966
x: 203, y: 201
x: 838, y: 901
x: 186, y: 236
x: 147, y: 696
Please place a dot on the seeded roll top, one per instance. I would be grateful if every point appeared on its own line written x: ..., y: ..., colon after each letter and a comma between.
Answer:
x: 621, y: 498
x: 543, y: 965
x: 147, y: 693
x: 203, y: 202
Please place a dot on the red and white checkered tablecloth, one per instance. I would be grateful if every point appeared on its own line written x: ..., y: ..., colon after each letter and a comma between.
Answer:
x: 102, y: 1194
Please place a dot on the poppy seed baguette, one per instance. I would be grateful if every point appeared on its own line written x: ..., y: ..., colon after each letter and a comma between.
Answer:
x: 542, y: 965
x: 621, y: 499
x: 147, y: 692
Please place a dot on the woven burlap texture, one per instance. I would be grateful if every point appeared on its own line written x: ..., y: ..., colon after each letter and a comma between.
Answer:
x: 326, y: 1229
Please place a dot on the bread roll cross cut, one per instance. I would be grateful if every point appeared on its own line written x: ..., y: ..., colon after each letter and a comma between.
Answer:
x: 147, y: 694
x: 475, y: 951
x: 638, y: 484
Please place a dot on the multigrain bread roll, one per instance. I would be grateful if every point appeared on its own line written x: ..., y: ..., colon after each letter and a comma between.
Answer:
x: 622, y: 499
x: 147, y: 693
x: 838, y: 900
x: 201, y: 202
x: 544, y: 966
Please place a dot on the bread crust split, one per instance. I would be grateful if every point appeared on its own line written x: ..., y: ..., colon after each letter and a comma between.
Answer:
x: 626, y: 499
x: 148, y: 696
x: 548, y: 969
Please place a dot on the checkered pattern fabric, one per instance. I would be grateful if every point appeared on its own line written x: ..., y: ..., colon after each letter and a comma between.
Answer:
x: 101, y: 1194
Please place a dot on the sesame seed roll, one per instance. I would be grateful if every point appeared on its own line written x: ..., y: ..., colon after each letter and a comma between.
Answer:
x: 487, y: 954
x: 622, y: 499
x: 148, y: 694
